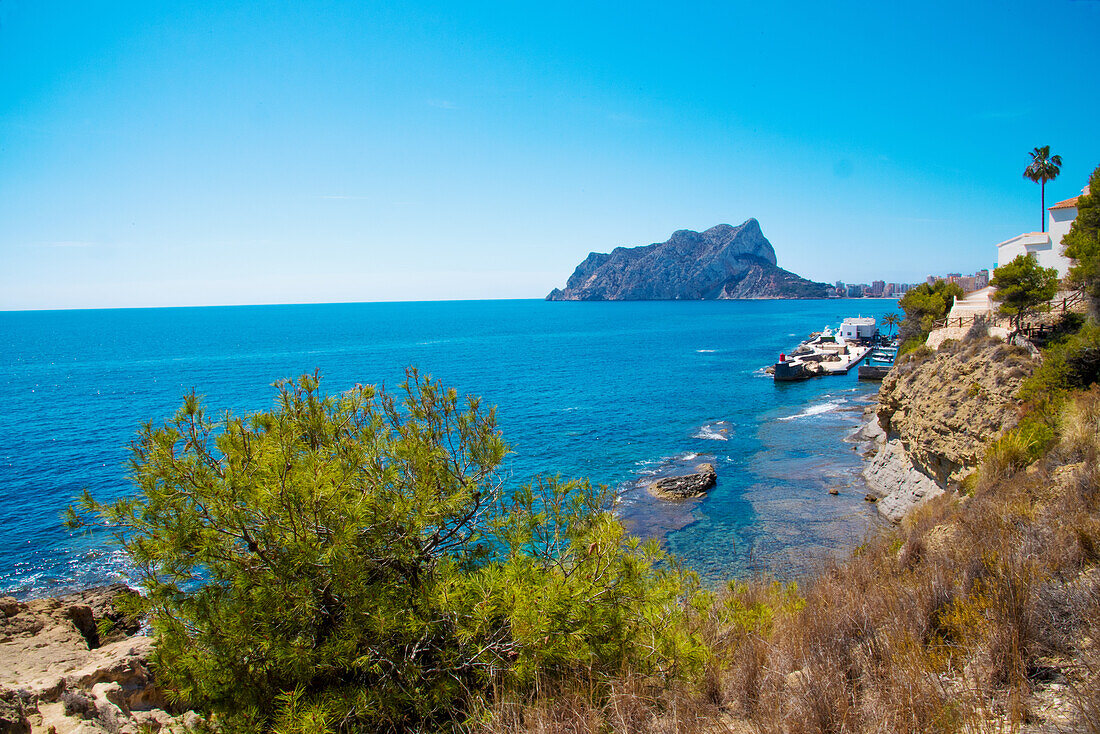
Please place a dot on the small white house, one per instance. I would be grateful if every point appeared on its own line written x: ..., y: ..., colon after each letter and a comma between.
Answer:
x: 858, y: 328
x: 1046, y: 246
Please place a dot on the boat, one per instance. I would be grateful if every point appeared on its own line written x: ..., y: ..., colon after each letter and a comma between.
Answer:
x: 827, y: 352
x: 878, y: 364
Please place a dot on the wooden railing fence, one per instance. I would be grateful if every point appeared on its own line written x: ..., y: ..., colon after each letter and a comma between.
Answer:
x: 1058, y: 305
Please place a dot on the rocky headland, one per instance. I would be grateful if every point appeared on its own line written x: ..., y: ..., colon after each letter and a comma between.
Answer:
x: 77, y: 665
x: 724, y: 262
x: 937, y: 413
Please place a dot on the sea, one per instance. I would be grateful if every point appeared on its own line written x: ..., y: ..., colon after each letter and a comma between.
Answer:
x: 616, y: 392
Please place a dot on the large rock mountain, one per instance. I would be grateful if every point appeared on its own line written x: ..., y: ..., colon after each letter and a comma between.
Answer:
x: 723, y: 262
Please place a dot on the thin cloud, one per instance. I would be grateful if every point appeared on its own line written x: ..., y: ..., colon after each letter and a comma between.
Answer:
x: 66, y: 243
x: 443, y: 104
x: 342, y: 197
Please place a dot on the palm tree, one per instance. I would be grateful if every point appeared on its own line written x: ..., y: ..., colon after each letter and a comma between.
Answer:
x: 892, y: 320
x: 1043, y: 167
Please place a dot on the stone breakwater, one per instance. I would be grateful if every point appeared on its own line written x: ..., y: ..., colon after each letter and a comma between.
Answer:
x: 77, y: 665
x: 937, y: 413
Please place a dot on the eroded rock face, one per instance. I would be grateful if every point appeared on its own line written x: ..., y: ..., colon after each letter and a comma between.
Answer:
x: 686, y: 486
x: 897, y: 483
x: 939, y: 413
x: 722, y: 262
x: 57, y: 671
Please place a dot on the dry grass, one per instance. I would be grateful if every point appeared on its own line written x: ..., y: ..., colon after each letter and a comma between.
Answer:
x: 953, y: 622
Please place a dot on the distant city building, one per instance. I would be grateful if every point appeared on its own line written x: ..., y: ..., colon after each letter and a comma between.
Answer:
x: 877, y: 289
x: 1045, y: 246
x: 968, y: 283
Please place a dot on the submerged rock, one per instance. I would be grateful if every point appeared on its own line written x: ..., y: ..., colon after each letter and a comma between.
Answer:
x: 685, y: 486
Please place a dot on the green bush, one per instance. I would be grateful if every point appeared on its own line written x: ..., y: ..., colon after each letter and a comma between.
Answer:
x: 923, y: 305
x: 1082, y: 242
x: 351, y: 563
x: 1069, y: 363
x: 916, y: 350
x: 1018, y: 448
x: 1023, y: 288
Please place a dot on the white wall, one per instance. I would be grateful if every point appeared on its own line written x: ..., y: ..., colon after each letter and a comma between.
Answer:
x: 1059, y: 223
x: 1040, y: 245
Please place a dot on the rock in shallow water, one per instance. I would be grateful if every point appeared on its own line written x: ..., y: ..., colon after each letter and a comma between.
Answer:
x: 686, y: 486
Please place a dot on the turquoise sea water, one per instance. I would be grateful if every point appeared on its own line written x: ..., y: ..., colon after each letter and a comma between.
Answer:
x: 617, y: 392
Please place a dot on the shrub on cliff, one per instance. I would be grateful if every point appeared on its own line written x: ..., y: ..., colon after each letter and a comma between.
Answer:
x: 1023, y: 287
x: 1071, y: 361
x: 923, y: 305
x: 1083, y: 240
x: 350, y: 563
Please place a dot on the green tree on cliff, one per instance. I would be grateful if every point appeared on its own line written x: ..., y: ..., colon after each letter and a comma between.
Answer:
x: 1083, y: 240
x: 923, y: 305
x: 351, y: 563
x: 1043, y: 167
x: 1023, y: 286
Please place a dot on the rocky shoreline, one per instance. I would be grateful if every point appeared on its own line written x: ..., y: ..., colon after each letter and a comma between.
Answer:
x: 935, y: 416
x: 76, y: 664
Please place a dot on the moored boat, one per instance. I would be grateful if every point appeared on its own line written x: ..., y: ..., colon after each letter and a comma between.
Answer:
x: 878, y: 364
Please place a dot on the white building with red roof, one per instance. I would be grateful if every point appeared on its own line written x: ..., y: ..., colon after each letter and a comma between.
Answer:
x: 1046, y: 246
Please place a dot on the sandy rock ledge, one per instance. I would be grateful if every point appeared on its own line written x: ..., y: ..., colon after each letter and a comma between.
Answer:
x: 59, y: 673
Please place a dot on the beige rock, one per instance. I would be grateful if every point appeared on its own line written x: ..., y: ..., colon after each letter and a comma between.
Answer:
x: 53, y: 666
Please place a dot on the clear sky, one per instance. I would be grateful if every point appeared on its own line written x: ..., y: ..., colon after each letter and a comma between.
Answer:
x: 185, y: 153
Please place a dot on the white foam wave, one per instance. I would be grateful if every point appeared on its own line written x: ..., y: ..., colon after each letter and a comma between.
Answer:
x: 704, y: 351
x: 818, y: 409
x: 710, y: 434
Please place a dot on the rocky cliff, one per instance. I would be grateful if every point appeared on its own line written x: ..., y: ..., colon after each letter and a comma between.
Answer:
x: 76, y: 665
x: 723, y: 262
x: 939, y: 411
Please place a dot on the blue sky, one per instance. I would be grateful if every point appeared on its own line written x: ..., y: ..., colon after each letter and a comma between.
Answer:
x: 198, y: 153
